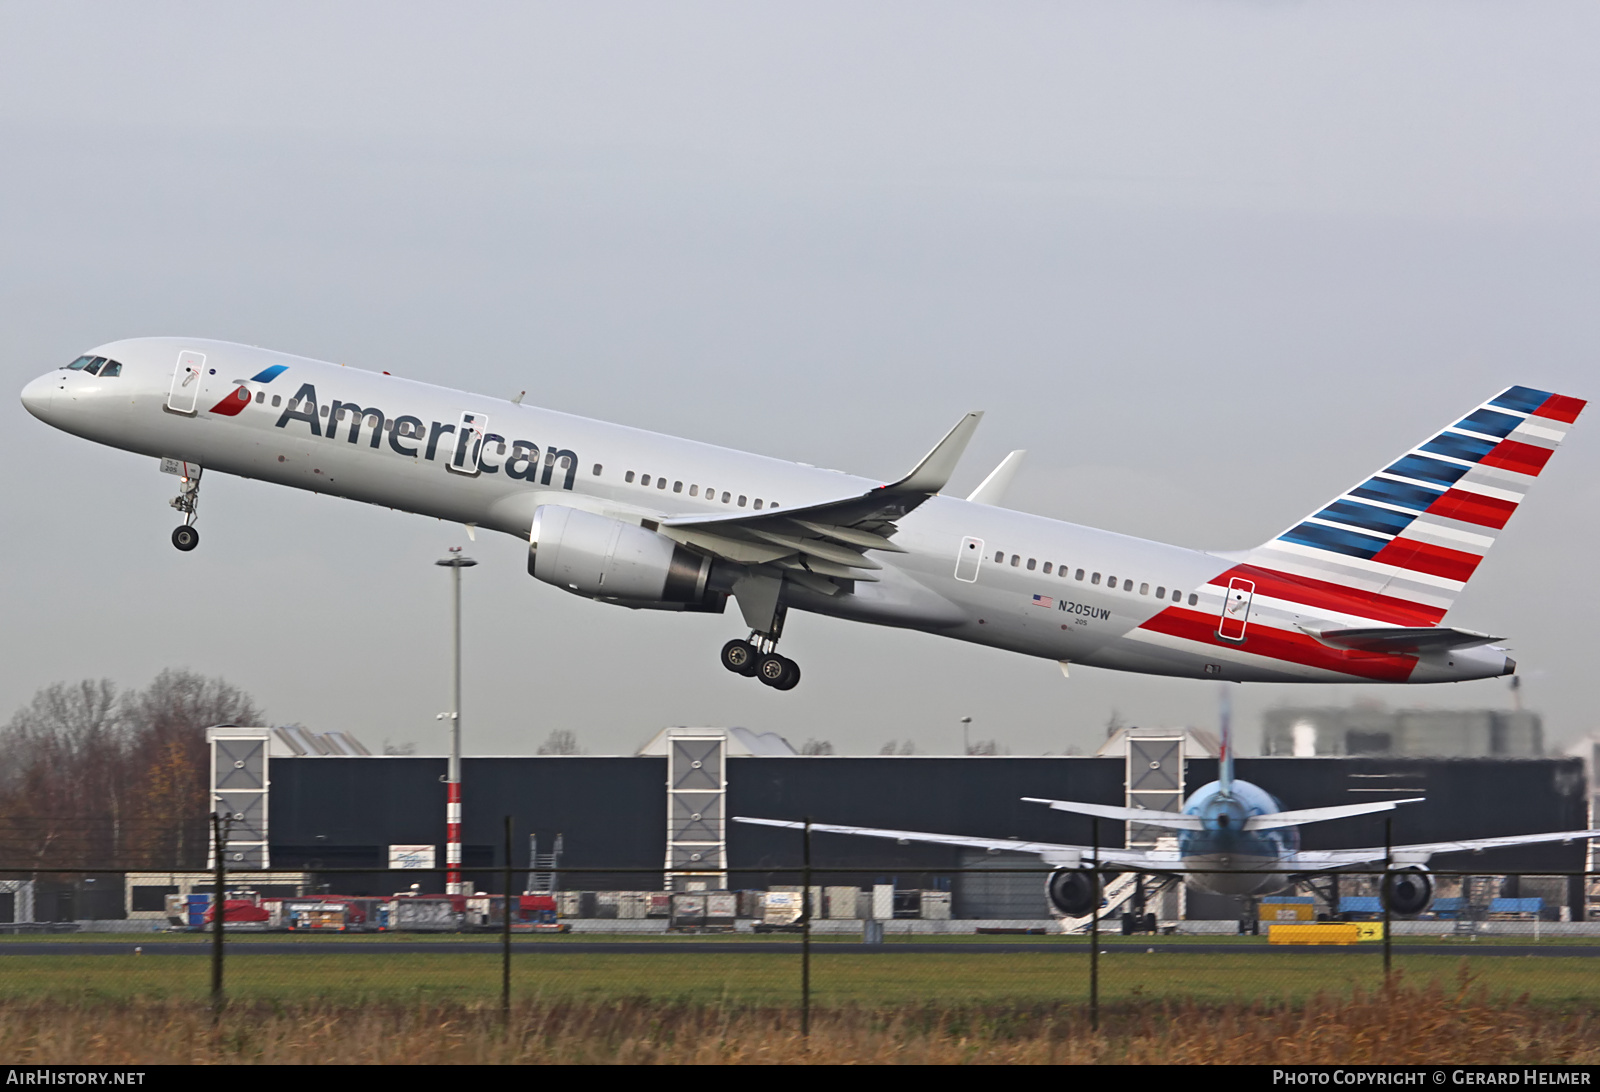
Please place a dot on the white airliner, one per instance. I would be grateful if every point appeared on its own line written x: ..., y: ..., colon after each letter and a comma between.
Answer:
x: 1354, y: 592
x: 1233, y: 838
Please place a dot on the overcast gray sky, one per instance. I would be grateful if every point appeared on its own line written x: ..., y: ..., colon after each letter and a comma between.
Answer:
x: 1209, y: 262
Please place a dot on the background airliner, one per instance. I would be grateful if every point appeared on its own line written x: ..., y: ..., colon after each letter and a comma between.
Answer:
x: 1354, y: 592
x: 1233, y: 838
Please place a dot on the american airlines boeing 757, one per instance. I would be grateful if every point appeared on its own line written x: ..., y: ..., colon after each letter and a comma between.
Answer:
x: 1354, y: 592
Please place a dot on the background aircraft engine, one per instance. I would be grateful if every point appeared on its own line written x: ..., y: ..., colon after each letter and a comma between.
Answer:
x: 605, y: 558
x: 1073, y: 891
x: 1408, y: 890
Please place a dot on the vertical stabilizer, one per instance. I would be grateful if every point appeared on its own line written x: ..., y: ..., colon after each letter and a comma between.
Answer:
x: 1225, y: 759
x: 1399, y: 546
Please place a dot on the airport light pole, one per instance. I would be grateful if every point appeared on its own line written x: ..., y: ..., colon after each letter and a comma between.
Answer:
x: 452, y: 808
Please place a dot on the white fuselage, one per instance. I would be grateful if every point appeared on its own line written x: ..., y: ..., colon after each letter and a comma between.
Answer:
x: 417, y: 461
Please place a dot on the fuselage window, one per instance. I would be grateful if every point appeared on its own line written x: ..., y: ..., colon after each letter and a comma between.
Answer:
x: 324, y: 411
x: 1047, y: 568
x: 1193, y: 599
x: 758, y: 504
x: 1161, y: 593
x: 661, y: 483
x: 694, y: 490
x: 1062, y: 573
x: 1095, y: 579
x: 1144, y: 589
x: 1079, y: 576
x: 774, y: 504
x: 741, y: 500
x: 597, y: 470
x: 501, y: 450
x: 644, y: 479
x: 566, y: 460
x: 1031, y: 563
x: 725, y: 496
x: 628, y: 477
x: 261, y: 396
x: 1016, y: 559
x: 677, y: 487
x: 999, y: 555
x: 276, y: 399
x: 1111, y: 582
x: 111, y: 370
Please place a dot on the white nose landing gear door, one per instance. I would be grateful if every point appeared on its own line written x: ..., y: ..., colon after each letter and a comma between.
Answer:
x: 186, y: 382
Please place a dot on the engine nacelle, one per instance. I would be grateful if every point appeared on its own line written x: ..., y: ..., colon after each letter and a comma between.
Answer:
x: 605, y: 558
x: 1074, y: 892
x: 1407, y: 890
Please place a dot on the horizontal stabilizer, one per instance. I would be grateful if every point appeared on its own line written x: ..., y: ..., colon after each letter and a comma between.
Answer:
x: 1124, y: 815
x: 993, y: 489
x: 1319, y: 815
x: 1402, y: 638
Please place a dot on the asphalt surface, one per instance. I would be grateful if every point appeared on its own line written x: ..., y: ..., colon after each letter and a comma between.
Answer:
x: 522, y: 946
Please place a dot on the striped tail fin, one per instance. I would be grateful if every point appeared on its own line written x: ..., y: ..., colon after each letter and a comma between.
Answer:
x: 1401, y: 545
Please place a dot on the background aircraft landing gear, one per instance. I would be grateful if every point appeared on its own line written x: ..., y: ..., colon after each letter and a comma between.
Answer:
x: 186, y: 537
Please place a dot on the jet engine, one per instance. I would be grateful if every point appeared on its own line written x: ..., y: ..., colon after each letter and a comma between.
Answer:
x: 619, y: 562
x: 1075, y: 892
x: 1407, y: 890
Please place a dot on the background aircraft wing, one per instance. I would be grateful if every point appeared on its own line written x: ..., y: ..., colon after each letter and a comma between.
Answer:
x: 817, y: 542
x: 1312, y: 860
x: 1059, y: 856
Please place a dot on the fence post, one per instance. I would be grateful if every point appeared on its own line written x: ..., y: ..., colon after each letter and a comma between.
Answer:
x: 1383, y: 891
x: 218, y: 913
x: 505, y: 939
x: 1094, y: 931
x: 805, y: 939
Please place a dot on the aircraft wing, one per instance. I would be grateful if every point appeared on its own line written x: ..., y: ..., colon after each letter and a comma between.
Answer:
x: 1057, y: 856
x: 816, y: 542
x: 1315, y: 860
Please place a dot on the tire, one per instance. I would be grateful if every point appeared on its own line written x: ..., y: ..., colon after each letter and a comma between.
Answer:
x: 772, y: 669
x: 186, y: 538
x: 739, y: 657
x: 792, y: 679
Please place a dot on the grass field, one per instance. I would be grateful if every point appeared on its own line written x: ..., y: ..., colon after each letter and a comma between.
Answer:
x: 962, y: 976
x: 310, y: 1004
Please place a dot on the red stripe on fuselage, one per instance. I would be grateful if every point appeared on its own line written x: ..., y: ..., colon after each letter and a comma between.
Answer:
x: 1561, y: 407
x: 1279, y: 644
x: 1425, y: 557
x: 1339, y: 598
x: 1472, y: 507
x: 1520, y: 457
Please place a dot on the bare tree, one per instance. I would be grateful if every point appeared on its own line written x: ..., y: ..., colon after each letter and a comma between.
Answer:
x: 816, y: 747
x: 562, y: 741
x: 90, y: 777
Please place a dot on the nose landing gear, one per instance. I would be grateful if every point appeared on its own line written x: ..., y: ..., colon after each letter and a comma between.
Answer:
x: 186, y: 537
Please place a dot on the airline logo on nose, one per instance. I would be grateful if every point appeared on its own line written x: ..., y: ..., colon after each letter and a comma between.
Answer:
x: 237, y: 399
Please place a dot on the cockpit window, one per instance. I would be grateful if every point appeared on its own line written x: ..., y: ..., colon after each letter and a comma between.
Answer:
x: 79, y: 364
x: 93, y: 367
x: 113, y: 368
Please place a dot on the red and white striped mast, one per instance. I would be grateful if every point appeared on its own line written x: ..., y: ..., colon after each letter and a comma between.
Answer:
x: 452, y: 808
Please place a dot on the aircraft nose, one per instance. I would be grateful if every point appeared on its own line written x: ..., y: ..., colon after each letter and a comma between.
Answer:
x: 36, y: 396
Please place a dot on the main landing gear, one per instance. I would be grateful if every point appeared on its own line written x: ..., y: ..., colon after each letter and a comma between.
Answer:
x: 186, y: 537
x: 758, y: 657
